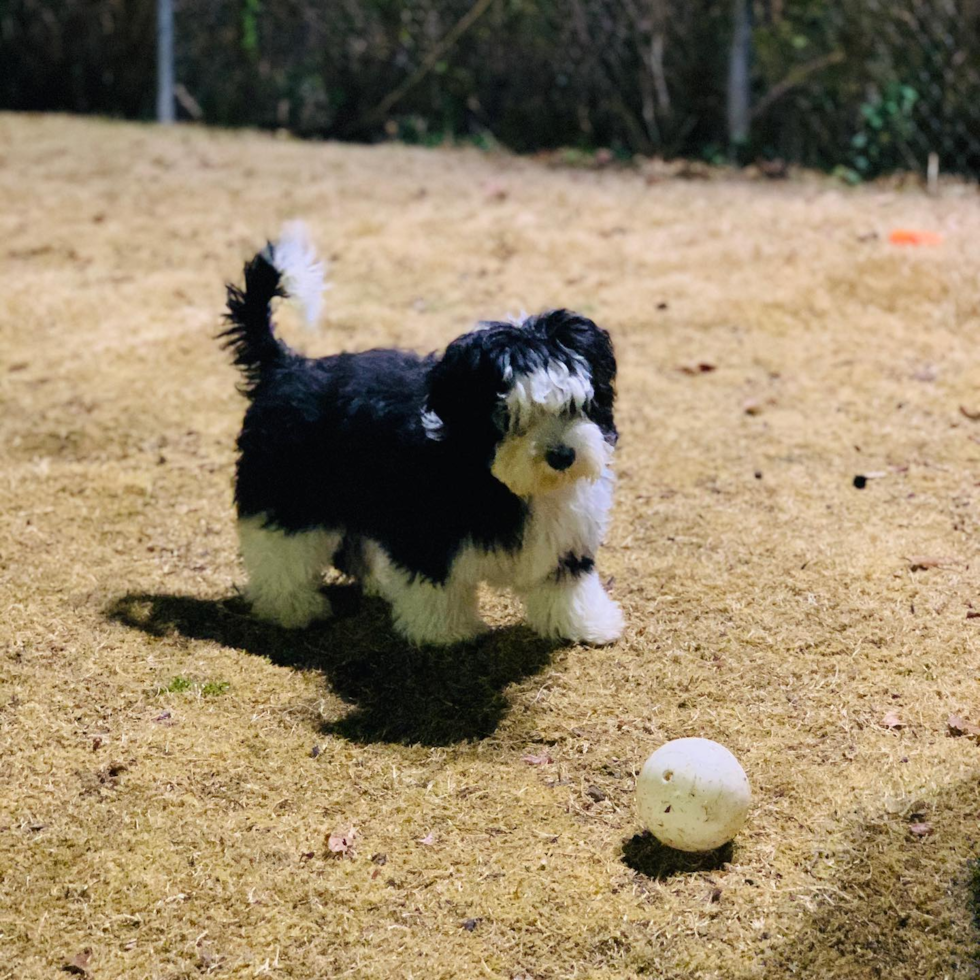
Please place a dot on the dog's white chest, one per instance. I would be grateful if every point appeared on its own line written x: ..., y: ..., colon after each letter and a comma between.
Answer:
x: 572, y: 522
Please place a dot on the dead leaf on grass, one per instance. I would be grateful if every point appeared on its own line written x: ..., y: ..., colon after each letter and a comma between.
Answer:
x: 111, y: 773
x: 428, y: 840
x: 341, y: 843
x: 495, y: 190
x: 755, y: 406
x: 78, y: 964
x: 541, y: 759
x: 921, y: 563
x: 892, y: 721
x: 697, y: 367
x: 923, y: 829
x: 957, y: 727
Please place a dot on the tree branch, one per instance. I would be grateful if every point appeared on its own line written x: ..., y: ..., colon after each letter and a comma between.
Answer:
x: 795, y: 77
x: 428, y: 63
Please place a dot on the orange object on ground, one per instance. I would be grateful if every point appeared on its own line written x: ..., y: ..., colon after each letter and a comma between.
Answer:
x: 909, y: 236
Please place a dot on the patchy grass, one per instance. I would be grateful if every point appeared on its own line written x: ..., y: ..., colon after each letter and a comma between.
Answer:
x: 213, y: 689
x: 208, y: 689
x: 177, y: 686
x: 773, y: 347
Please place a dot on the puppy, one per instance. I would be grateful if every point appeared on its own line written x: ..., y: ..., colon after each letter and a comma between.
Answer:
x: 423, y: 476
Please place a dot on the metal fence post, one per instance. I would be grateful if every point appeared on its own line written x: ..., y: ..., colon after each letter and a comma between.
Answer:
x: 739, y: 82
x: 165, y: 61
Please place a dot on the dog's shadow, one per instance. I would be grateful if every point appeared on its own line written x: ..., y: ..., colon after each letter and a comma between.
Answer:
x: 432, y: 696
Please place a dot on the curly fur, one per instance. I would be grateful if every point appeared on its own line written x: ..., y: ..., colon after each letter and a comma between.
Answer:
x: 422, y: 476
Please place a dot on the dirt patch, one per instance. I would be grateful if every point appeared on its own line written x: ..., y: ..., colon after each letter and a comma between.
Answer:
x: 172, y: 773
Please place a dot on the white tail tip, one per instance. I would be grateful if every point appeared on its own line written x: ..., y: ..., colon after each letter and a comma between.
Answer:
x: 301, y: 270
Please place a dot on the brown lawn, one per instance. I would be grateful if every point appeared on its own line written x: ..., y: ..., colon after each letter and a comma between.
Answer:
x: 171, y: 772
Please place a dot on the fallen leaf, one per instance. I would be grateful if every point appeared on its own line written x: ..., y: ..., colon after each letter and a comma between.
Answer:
x: 494, y: 190
x: 920, y: 829
x: 207, y: 959
x: 342, y: 842
x: 111, y: 772
x: 956, y: 727
x: 697, y: 367
x: 428, y: 840
x: 78, y: 964
x: 165, y: 716
x: 543, y: 758
x: 891, y: 720
x: 470, y: 924
x: 972, y: 414
x: 595, y: 794
x: 921, y: 563
x: 380, y: 859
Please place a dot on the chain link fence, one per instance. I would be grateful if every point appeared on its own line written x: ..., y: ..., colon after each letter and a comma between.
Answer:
x: 863, y: 87
x: 870, y: 86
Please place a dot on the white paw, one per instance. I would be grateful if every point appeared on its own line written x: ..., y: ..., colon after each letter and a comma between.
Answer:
x: 604, y: 624
x: 579, y: 611
x: 293, y: 611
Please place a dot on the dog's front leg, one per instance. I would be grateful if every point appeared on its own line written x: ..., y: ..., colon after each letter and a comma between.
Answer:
x: 436, y: 615
x: 571, y: 604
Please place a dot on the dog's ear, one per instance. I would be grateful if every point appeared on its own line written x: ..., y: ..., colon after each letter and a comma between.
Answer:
x: 465, y: 386
x: 586, y: 339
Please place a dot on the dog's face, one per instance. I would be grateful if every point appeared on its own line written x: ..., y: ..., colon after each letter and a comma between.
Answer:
x: 532, y: 400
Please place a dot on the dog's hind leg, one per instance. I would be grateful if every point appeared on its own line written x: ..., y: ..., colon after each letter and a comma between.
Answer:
x: 437, y: 615
x: 284, y: 571
x: 425, y: 613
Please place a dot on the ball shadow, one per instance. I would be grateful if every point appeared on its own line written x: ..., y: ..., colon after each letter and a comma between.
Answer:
x: 431, y: 696
x: 647, y: 856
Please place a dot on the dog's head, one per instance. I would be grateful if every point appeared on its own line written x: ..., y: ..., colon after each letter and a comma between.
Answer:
x: 533, y: 399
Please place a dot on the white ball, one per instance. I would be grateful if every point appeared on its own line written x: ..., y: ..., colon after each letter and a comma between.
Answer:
x: 693, y: 795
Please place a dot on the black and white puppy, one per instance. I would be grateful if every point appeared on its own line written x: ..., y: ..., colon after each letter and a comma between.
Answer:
x: 424, y: 476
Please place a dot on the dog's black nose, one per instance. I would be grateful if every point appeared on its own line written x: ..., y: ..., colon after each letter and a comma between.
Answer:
x: 560, y: 457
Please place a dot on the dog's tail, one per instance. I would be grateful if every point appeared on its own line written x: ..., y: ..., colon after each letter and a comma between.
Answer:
x: 288, y: 267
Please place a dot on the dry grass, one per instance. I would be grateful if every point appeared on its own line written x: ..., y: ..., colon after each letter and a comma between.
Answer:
x: 161, y: 804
